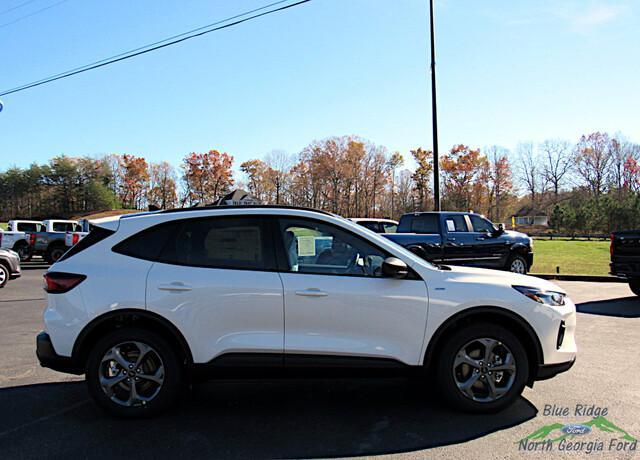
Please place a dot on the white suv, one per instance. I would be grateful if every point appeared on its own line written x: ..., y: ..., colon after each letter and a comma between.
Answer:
x: 147, y: 302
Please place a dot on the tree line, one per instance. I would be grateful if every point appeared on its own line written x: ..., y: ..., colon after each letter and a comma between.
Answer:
x: 592, y: 185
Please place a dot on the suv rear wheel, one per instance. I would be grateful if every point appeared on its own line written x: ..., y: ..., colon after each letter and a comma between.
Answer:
x: 482, y: 368
x: 133, y: 373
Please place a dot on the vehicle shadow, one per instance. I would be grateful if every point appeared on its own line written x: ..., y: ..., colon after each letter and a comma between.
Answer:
x: 245, y: 419
x: 626, y: 307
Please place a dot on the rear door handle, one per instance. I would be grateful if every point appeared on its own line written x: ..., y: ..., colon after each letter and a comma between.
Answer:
x: 312, y: 292
x: 451, y: 239
x: 176, y: 286
x: 480, y: 238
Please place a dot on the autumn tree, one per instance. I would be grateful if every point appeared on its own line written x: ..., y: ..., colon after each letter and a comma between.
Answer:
x: 465, y: 173
x: 593, y: 159
x: 162, y: 186
x: 422, y: 176
x: 206, y: 176
x: 135, y: 181
x: 256, y: 173
x: 500, y: 181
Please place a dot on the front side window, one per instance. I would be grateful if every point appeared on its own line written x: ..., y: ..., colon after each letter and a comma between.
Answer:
x: 29, y: 227
x: 319, y: 248
x: 456, y: 223
x: 481, y: 225
x: 373, y: 226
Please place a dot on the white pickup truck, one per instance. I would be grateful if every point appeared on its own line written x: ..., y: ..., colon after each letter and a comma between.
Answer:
x: 50, y: 243
x: 72, y: 238
x: 15, y: 237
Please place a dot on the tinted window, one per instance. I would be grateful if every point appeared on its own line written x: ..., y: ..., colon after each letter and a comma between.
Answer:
x: 64, y: 227
x: 218, y: 243
x: 389, y: 227
x: 315, y: 247
x: 427, y: 223
x: 371, y: 226
x: 146, y: 244
x: 28, y: 227
x: 96, y: 235
x: 481, y: 225
x: 456, y: 223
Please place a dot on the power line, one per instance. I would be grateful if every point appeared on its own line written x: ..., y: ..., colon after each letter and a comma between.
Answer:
x: 32, y: 14
x: 16, y: 7
x: 157, y: 42
x: 157, y: 45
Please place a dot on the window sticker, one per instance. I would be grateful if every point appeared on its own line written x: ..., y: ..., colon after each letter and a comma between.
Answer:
x: 451, y: 225
x: 306, y: 246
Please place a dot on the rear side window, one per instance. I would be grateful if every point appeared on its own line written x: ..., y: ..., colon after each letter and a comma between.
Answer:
x: 389, y: 227
x: 220, y: 242
x: 64, y: 227
x: 427, y: 223
x: 28, y: 227
x: 147, y: 244
x: 96, y: 235
x: 371, y: 225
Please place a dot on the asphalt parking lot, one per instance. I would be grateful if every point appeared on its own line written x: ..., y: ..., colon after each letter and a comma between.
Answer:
x: 44, y: 413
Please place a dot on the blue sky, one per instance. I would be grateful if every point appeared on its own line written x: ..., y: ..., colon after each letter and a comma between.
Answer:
x: 508, y: 71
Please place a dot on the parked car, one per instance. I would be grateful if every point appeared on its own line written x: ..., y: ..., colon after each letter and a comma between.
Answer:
x: 15, y: 237
x: 73, y: 238
x: 50, y: 242
x: 9, y: 266
x: 464, y: 238
x: 625, y: 257
x: 146, y: 302
x: 377, y: 225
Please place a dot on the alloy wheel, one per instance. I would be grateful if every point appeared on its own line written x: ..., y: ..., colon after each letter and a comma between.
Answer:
x: 131, y: 374
x: 484, y: 370
x: 518, y: 266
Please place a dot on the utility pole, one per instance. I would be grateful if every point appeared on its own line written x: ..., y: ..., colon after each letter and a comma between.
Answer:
x: 434, y: 116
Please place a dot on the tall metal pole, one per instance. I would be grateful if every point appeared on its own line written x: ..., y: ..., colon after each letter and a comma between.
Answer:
x: 434, y: 116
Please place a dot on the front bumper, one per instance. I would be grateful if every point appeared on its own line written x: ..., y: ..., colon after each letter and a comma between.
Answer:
x: 547, y: 371
x: 529, y: 258
x: 49, y: 358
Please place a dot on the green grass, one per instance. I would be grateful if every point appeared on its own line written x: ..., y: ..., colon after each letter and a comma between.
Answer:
x: 3, y: 225
x: 573, y: 257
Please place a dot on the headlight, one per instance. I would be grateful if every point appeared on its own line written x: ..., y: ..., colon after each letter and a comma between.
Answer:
x: 555, y: 299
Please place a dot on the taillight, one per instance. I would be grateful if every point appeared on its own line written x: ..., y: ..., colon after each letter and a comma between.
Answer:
x: 74, y: 239
x: 32, y: 239
x: 611, y: 245
x: 59, y: 283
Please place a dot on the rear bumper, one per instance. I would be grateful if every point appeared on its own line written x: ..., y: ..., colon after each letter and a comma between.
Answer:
x: 49, y: 358
x: 628, y: 270
x: 547, y: 371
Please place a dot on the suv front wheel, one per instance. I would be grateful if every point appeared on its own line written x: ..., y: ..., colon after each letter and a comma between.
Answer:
x: 482, y: 368
x: 133, y: 373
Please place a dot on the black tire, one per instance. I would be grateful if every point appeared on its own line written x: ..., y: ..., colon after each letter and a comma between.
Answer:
x: 448, y: 352
x: 54, y: 253
x: 166, y: 395
x: 517, y: 264
x: 4, y: 275
x: 634, y: 285
x: 24, y: 251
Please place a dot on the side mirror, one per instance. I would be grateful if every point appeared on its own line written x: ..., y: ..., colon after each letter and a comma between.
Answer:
x: 393, y: 267
x: 499, y: 231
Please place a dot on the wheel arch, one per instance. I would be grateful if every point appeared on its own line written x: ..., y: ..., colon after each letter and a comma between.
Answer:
x: 496, y: 315
x: 112, y: 320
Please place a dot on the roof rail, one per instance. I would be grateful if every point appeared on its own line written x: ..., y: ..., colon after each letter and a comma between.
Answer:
x: 242, y: 206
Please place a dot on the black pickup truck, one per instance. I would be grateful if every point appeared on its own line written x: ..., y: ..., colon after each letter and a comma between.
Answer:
x: 625, y: 257
x: 463, y: 238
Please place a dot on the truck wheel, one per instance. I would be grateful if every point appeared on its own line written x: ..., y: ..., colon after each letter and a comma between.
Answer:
x: 517, y: 264
x: 482, y: 368
x: 133, y: 373
x: 4, y: 275
x: 23, y: 251
x: 54, y: 253
x: 634, y: 285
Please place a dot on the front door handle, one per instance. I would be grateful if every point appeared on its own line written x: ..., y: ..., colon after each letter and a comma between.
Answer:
x: 480, y: 238
x: 312, y: 292
x: 176, y: 286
